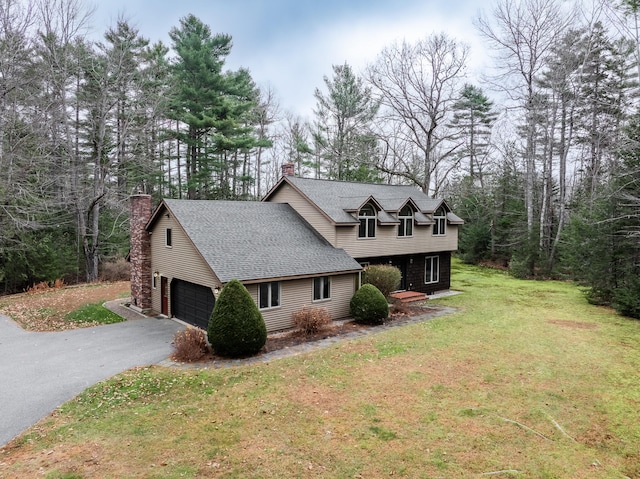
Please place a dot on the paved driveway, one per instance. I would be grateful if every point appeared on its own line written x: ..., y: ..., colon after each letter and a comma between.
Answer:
x: 41, y: 371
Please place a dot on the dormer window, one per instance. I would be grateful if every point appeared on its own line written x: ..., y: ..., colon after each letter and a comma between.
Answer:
x: 367, y: 217
x: 440, y: 225
x: 405, y: 228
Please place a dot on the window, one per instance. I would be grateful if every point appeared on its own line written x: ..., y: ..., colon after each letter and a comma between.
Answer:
x: 367, y: 217
x: 321, y: 288
x: 405, y: 228
x: 431, y: 269
x: 269, y: 295
x: 168, y: 238
x: 440, y: 218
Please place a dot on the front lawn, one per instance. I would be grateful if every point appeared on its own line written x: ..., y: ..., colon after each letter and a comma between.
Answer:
x: 525, y: 380
x: 70, y: 307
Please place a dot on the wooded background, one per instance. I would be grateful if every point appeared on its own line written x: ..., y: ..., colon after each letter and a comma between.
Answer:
x: 540, y: 157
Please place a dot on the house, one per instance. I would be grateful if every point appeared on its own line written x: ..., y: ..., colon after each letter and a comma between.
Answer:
x: 379, y: 224
x: 191, y: 248
x: 304, y: 245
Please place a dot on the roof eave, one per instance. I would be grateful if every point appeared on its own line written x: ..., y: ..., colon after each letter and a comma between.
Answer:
x: 302, y: 276
x: 284, y: 179
x: 409, y: 201
x: 370, y: 199
x: 156, y: 214
x: 274, y: 188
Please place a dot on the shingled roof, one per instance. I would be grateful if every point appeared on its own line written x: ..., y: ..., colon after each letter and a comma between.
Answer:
x: 337, y: 198
x: 248, y: 240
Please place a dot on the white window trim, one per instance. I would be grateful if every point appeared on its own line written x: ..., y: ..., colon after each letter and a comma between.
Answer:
x: 403, y: 221
x: 441, y: 222
x: 434, y: 260
x: 313, y: 284
x: 168, y: 232
x: 368, y: 218
x: 270, y: 296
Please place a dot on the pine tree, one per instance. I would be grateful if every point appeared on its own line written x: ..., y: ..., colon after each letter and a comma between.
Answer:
x: 603, y: 104
x: 601, y: 246
x: 560, y: 85
x: 523, y: 34
x: 343, y: 121
x: 209, y: 101
x: 474, y: 117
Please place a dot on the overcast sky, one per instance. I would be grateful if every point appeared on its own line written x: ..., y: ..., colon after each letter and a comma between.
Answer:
x: 290, y: 45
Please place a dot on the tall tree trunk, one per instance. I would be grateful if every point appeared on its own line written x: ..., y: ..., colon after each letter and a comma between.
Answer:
x: 192, y: 166
x: 566, y: 135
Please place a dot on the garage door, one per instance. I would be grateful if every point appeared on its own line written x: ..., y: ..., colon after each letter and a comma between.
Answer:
x: 192, y: 303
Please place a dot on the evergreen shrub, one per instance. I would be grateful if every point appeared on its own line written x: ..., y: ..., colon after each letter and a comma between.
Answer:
x: 474, y: 242
x: 627, y: 299
x: 368, y: 305
x: 384, y: 277
x: 237, y: 327
x: 523, y: 261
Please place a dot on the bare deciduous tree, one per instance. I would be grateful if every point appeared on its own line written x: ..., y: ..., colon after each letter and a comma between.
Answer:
x: 417, y: 84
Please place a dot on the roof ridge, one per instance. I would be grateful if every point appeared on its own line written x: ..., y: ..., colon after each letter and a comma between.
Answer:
x: 366, y: 183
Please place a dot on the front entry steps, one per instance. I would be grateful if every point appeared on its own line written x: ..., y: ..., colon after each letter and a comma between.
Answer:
x: 408, y: 296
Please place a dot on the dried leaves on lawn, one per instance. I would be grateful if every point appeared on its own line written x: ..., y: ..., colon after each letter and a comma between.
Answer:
x: 46, y: 311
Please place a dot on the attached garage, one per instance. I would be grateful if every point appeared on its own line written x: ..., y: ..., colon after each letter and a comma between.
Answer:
x: 192, y: 303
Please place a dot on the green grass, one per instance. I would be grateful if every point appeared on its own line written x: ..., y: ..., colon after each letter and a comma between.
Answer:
x: 525, y: 380
x: 93, y: 313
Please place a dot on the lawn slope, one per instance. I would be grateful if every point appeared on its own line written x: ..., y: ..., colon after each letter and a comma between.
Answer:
x: 525, y: 380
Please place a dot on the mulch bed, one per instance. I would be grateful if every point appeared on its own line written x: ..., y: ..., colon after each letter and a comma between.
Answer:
x: 293, y: 338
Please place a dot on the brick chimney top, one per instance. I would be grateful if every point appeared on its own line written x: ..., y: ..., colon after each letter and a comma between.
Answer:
x: 288, y: 169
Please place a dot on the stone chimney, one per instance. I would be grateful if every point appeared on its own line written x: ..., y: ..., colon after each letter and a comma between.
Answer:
x: 140, y: 252
x: 288, y: 169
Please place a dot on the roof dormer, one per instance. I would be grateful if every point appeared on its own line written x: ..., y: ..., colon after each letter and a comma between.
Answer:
x: 367, y: 215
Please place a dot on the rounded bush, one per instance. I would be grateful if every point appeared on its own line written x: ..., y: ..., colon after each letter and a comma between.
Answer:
x: 383, y: 276
x: 236, y: 327
x: 368, y: 305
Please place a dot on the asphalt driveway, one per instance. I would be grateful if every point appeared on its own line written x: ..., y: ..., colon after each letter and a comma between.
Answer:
x: 41, y: 371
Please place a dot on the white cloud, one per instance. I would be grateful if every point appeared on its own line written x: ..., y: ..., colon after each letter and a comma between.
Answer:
x: 291, y: 49
x: 296, y: 66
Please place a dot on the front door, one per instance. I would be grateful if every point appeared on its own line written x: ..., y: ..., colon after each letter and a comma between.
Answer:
x: 164, y: 293
x: 401, y: 264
